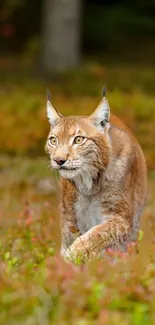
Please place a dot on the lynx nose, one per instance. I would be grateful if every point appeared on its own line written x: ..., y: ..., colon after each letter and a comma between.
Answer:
x: 59, y: 161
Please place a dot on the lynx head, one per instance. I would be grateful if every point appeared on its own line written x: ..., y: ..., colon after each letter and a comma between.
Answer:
x: 79, y: 145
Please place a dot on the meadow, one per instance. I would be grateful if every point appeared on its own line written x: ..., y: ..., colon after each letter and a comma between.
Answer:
x: 37, y: 287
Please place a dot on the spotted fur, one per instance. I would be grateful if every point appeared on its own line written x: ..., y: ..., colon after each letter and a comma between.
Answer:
x: 103, y: 180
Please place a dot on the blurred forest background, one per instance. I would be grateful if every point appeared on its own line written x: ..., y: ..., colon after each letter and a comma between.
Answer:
x: 73, y: 47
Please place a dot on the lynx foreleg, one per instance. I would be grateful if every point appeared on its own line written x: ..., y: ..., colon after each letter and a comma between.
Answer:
x: 112, y: 232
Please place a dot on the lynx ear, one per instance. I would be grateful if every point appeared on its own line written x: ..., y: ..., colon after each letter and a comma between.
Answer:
x: 101, y: 115
x: 52, y: 114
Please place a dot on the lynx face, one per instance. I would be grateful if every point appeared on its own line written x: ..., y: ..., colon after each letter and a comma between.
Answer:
x: 76, y: 146
x: 79, y: 145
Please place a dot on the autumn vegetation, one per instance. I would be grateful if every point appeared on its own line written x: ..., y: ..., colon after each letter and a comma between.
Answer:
x: 37, y: 287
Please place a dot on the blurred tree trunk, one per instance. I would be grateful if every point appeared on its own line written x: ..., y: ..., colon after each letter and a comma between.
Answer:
x: 61, y: 34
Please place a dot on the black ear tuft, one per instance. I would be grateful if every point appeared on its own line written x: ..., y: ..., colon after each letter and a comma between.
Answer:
x: 48, y: 95
x: 104, y: 91
x: 103, y: 123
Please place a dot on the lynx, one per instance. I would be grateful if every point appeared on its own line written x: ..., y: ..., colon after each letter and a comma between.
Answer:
x: 103, y: 180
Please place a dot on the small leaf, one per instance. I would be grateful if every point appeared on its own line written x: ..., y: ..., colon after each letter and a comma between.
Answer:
x: 7, y: 255
x: 140, y: 236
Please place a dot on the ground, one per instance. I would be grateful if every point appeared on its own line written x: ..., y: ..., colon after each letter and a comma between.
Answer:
x: 37, y: 286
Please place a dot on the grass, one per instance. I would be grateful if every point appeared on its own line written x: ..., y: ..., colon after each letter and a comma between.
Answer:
x: 37, y: 286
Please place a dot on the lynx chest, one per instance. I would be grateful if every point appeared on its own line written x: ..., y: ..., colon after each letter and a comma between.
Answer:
x: 88, y: 212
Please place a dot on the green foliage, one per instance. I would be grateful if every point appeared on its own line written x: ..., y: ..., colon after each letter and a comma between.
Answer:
x: 39, y: 287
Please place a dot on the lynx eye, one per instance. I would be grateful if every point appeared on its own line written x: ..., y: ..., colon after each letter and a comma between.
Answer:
x: 79, y: 140
x: 52, y: 141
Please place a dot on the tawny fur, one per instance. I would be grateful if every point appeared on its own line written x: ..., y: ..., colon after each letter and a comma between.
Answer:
x: 103, y: 198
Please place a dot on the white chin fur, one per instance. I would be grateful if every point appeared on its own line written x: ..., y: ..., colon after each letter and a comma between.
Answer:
x: 70, y: 174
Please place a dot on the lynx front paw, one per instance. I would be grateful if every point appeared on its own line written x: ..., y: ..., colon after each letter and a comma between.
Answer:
x: 79, y: 251
x: 64, y: 252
